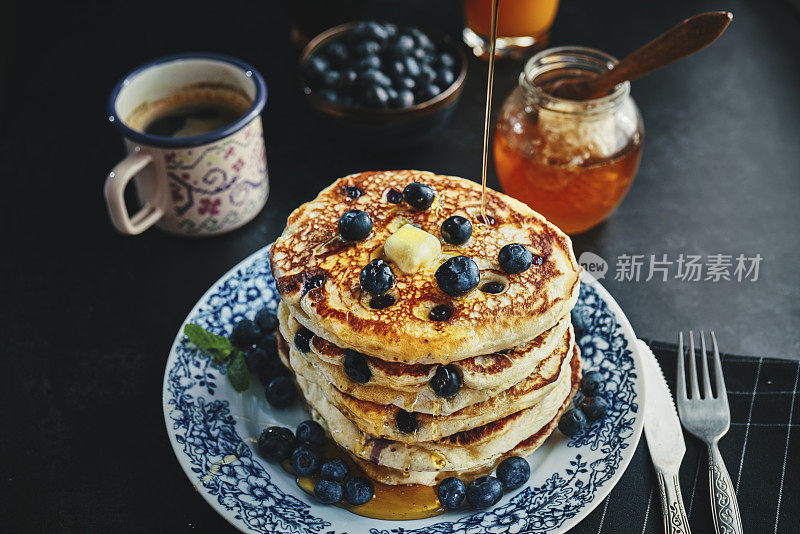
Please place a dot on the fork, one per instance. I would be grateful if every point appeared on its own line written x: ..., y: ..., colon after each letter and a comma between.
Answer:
x: 708, y: 418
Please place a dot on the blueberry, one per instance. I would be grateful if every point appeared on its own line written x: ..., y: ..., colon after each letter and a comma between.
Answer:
x: 484, y: 491
x: 381, y: 302
x: 314, y: 282
x: 366, y: 48
x: 427, y: 75
x: 446, y: 382
x: 329, y: 95
x: 408, y: 83
x: 456, y: 230
x: 592, y: 383
x: 458, y: 276
x: 396, y: 70
x: 394, y: 196
x: 493, y: 288
x: 394, y: 97
x: 594, y: 407
x: 406, y: 422
x: 377, y: 277
x: 266, y: 320
x: 412, y: 67
x: 419, y: 196
x: 313, y: 68
x: 372, y: 77
x: 335, y: 52
x: 330, y: 79
x: 572, y: 422
x: 428, y: 91
x: 348, y: 79
x: 245, y: 334
x: 256, y: 359
x: 310, y: 433
x: 305, y: 461
x: 391, y: 29
x: 446, y: 61
x: 445, y: 78
x: 328, y: 491
x: 280, y: 391
x: 513, y: 472
x: 403, y: 45
x: 368, y: 62
x: 355, y: 225
x: 578, y: 399
x: 334, y: 469
x: 358, y: 491
x: 376, y: 31
x: 269, y: 344
x: 352, y: 191
x: 423, y: 41
x: 451, y: 493
x: 405, y: 98
x: 422, y: 57
x: 375, y: 97
x: 441, y: 312
x: 514, y: 258
x: 275, y: 444
x: 302, y: 340
x: 355, y: 366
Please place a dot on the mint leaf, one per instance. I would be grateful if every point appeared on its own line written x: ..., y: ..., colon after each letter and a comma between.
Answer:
x: 219, y: 347
x: 238, y: 373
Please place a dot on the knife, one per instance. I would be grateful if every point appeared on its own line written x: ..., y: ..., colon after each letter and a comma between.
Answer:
x: 665, y: 441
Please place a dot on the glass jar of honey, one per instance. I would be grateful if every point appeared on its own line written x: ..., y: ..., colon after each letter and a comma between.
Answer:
x: 572, y: 161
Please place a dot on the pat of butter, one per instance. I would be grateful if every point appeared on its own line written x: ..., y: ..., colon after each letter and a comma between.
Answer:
x: 411, y: 248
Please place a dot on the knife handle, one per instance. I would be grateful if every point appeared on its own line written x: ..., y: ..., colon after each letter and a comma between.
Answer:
x: 675, y: 520
x: 724, y: 506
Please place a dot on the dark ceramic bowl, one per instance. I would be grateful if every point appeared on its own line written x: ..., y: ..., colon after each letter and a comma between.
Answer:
x: 415, y: 120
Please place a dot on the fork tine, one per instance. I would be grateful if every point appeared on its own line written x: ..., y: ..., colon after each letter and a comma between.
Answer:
x: 719, y: 379
x: 693, y: 368
x: 681, y: 378
x: 708, y: 392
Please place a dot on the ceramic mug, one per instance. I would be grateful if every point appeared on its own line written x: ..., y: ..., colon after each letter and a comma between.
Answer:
x: 196, y: 185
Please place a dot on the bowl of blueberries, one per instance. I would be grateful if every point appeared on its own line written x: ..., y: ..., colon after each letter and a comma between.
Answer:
x: 381, y: 76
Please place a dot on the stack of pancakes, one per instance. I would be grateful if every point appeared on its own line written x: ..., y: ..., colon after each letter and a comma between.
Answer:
x: 514, y: 351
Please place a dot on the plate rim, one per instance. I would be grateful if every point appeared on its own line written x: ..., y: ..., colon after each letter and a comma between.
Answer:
x: 602, y: 491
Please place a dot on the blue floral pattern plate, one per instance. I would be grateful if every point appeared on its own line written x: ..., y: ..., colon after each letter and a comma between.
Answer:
x: 213, y: 430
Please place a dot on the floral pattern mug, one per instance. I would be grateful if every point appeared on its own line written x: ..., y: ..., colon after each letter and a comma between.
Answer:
x: 195, y: 185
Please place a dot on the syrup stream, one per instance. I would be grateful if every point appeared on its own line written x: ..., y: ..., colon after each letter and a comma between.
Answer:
x: 489, y: 83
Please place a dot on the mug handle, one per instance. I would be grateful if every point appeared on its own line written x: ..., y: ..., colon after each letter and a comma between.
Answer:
x: 116, y: 182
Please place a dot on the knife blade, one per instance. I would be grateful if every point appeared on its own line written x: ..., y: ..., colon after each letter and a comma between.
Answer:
x: 665, y: 441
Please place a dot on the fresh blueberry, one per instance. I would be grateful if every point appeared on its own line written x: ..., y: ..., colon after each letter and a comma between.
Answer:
x: 328, y: 491
x: 381, y: 302
x: 394, y: 97
x: 423, y: 57
x: 245, y: 334
x: 456, y: 230
x: 445, y: 78
x: 408, y: 83
x: 366, y: 48
x: 458, y: 276
x: 592, y: 383
x: 275, y: 444
x: 256, y: 359
x: 314, y: 67
x: 446, y: 61
x: 302, y: 340
x: 594, y: 407
x: 427, y: 75
x: 376, y: 277
x: 355, y: 366
x: 335, y: 52
x: 334, y: 469
x: 493, y: 288
x: 451, y: 493
x: 403, y: 45
x: 358, y: 491
x: 428, y: 91
x: 355, y: 225
x: 329, y: 95
x: 280, y: 391
x: 572, y: 422
x: 396, y: 70
x: 578, y: 399
x: 484, y: 491
x: 310, y: 433
x: 446, y: 382
x: 348, y: 79
x: 305, y: 461
x: 266, y: 320
x: 419, y: 196
x: 368, y: 62
x: 441, y: 312
x: 353, y: 191
x: 376, y: 31
x: 405, y: 98
x: 314, y: 282
x: 330, y: 79
x: 374, y: 97
x: 513, y: 472
x: 412, y: 67
x: 391, y: 29
x: 514, y: 258
x: 423, y: 41
x: 406, y: 421
x: 394, y: 196
x: 372, y: 77
x: 269, y: 344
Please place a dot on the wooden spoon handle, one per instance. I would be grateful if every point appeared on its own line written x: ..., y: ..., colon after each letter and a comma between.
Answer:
x: 688, y: 37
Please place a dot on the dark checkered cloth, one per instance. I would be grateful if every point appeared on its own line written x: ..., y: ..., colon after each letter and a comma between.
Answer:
x: 761, y: 452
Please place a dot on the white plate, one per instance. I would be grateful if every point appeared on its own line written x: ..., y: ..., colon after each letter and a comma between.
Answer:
x: 213, y: 430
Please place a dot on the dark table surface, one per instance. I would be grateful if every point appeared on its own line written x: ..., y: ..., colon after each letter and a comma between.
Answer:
x: 89, y: 314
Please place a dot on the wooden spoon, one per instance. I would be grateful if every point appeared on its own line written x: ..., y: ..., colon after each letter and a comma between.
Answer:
x: 686, y: 38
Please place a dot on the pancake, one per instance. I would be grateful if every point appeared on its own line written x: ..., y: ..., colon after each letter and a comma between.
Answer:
x: 379, y: 421
x: 317, y: 274
x: 463, y: 451
x: 491, y: 371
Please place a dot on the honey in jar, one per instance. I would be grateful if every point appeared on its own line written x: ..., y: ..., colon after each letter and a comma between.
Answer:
x: 572, y: 161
